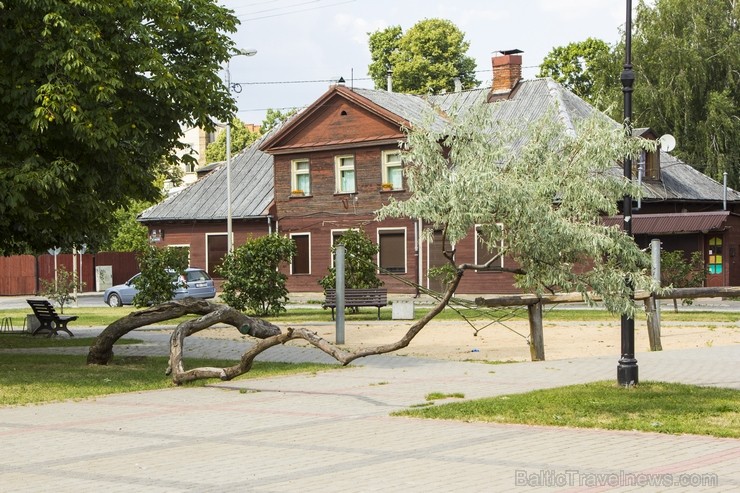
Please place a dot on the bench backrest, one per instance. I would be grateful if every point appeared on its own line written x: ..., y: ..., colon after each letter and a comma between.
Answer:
x: 369, y: 295
x: 43, y: 309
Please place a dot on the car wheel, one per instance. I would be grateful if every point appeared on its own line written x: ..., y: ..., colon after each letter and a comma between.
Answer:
x: 114, y: 300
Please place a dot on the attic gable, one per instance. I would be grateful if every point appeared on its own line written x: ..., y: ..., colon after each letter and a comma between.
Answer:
x: 339, y: 118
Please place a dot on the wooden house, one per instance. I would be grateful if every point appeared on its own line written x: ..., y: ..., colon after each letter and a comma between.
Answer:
x: 334, y: 164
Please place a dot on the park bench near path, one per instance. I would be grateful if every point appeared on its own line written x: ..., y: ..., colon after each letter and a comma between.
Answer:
x: 376, y: 297
x: 49, y: 319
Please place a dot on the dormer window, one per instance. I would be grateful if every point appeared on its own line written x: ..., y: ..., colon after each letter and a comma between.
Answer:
x: 648, y: 162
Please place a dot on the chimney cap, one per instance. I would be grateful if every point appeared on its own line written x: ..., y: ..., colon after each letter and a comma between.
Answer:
x: 510, y: 52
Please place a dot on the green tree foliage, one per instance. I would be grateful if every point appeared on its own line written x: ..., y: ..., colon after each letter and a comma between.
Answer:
x: 678, y: 271
x: 274, y: 118
x: 549, y: 193
x: 253, y: 281
x: 160, y: 274
x: 62, y: 289
x: 575, y: 65
x: 241, y: 138
x: 92, y: 95
x: 128, y: 235
x: 425, y: 59
x: 359, y: 269
x: 685, y: 56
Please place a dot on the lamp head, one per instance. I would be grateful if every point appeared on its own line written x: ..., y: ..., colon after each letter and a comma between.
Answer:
x: 245, y: 52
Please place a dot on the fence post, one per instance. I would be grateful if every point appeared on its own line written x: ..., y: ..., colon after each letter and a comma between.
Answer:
x: 339, y: 267
x: 652, y: 305
x: 536, y: 336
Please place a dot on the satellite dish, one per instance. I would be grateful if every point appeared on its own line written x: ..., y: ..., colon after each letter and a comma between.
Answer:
x: 667, y: 142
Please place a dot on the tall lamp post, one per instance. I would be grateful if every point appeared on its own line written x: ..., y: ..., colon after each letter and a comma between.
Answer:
x: 229, y: 235
x: 627, y: 366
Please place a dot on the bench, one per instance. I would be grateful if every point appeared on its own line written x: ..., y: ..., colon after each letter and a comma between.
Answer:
x: 356, y: 298
x: 48, y: 318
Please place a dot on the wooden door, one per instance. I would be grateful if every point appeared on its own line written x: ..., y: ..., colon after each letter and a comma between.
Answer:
x: 714, y: 260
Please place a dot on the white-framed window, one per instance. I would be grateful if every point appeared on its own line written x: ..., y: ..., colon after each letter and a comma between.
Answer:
x: 300, y: 263
x: 392, y: 170
x: 392, y: 250
x: 300, y: 176
x: 483, y: 251
x: 344, y: 171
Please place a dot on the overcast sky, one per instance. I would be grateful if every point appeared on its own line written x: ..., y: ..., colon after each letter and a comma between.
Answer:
x: 300, y: 42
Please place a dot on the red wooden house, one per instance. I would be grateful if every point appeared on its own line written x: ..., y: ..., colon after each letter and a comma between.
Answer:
x: 334, y: 164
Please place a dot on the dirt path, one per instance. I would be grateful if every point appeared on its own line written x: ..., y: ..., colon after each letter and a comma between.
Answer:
x: 563, y: 340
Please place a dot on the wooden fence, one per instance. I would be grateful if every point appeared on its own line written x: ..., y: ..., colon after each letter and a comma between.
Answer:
x: 534, y: 305
x: 22, y: 274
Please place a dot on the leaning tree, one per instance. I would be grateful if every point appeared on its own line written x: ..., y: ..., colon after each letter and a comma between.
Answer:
x: 535, y: 192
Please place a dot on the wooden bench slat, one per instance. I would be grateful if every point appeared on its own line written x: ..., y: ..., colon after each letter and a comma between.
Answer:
x: 377, y: 297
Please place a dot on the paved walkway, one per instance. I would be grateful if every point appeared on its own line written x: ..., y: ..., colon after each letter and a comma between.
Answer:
x: 332, y: 432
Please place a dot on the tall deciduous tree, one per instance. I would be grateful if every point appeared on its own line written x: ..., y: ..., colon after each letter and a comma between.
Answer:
x: 574, y: 65
x: 549, y: 192
x: 425, y: 59
x: 686, y: 56
x: 241, y: 138
x: 92, y: 95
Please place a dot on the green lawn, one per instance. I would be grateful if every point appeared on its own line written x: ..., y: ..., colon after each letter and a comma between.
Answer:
x: 35, y: 378
x: 103, y: 316
x: 651, y: 406
x: 17, y: 341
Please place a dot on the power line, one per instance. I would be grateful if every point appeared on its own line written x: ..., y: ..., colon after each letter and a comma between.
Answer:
x: 247, y: 18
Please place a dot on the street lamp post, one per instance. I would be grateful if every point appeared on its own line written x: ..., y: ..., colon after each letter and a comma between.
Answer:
x: 229, y: 234
x: 627, y: 366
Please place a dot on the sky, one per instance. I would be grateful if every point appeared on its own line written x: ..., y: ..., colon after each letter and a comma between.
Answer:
x: 304, y: 44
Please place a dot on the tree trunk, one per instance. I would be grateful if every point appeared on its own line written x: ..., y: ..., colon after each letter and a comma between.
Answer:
x: 101, y: 351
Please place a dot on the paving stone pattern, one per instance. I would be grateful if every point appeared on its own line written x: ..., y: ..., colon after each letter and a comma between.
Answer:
x: 332, y: 432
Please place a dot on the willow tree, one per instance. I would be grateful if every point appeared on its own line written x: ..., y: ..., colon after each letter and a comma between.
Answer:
x: 548, y: 184
x: 540, y: 190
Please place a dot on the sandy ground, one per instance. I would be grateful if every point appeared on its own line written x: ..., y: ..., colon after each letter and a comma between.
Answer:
x: 496, y: 342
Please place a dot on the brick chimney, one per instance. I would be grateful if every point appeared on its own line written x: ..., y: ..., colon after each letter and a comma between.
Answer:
x: 507, y: 70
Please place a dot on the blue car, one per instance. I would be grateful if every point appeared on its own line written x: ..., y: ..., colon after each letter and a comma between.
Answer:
x: 196, y: 283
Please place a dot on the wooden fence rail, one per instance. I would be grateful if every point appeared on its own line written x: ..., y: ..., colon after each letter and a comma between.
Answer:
x: 534, y: 305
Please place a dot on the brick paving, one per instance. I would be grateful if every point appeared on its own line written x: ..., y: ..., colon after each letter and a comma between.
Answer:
x: 332, y: 432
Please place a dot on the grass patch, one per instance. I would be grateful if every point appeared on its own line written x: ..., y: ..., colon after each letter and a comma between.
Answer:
x: 33, y: 378
x: 651, y: 406
x: 104, y: 316
x: 18, y: 341
x: 435, y: 396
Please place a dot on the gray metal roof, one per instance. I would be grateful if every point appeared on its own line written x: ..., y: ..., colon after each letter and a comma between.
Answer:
x: 412, y: 108
x: 252, y: 170
x: 252, y: 192
x: 679, y: 181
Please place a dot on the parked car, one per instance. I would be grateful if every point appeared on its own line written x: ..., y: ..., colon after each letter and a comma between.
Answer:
x: 196, y: 283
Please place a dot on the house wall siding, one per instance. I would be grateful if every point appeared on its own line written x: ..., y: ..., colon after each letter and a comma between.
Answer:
x: 194, y: 235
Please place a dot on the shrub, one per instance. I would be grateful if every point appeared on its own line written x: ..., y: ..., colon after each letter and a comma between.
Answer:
x: 253, y: 281
x: 62, y: 289
x: 360, y: 272
x: 159, y: 268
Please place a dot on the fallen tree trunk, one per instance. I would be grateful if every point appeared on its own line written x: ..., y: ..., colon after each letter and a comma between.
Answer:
x: 101, y: 351
x: 179, y: 375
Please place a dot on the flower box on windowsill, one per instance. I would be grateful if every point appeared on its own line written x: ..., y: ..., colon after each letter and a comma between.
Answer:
x: 297, y: 193
x: 386, y: 187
